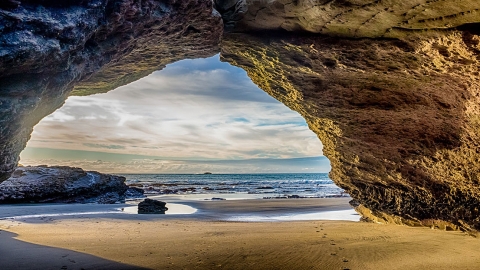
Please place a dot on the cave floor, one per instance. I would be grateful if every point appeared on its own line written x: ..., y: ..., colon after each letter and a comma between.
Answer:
x: 106, y: 241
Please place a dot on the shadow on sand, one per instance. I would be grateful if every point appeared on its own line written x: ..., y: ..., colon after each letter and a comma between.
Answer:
x: 19, y: 255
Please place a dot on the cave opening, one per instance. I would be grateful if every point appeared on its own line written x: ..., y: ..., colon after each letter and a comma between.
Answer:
x: 203, y: 121
x: 390, y: 88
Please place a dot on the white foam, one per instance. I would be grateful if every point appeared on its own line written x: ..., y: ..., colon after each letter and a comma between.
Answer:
x: 209, y: 196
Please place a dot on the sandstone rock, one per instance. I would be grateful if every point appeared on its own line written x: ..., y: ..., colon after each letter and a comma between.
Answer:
x: 348, y: 18
x: 149, y: 206
x: 398, y: 118
x: 62, y: 184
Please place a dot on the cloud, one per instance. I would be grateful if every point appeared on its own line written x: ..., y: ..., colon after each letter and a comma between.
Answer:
x: 94, y: 145
x: 193, y: 109
x: 60, y: 117
x: 149, y: 165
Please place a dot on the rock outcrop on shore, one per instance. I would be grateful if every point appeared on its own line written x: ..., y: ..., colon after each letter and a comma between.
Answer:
x: 62, y: 185
x: 398, y: 117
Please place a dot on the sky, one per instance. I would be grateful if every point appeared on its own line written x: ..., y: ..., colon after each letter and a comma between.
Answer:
x: 193, y: 116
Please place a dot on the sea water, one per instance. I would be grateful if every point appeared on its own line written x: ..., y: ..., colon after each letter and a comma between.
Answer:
x: 178, y: 188
x: 285, y: 185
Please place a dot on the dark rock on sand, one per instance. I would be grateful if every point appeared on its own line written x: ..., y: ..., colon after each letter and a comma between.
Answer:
x: 149, y: 206
x: 347, y: 18
x: 62, y: 185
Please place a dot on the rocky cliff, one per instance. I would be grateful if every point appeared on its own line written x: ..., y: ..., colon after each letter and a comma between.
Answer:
x: 48, y: 47
x: 397, y: 108
x: 398, y: 118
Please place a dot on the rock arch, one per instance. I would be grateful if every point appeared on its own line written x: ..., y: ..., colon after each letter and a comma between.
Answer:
x: 399, y: 117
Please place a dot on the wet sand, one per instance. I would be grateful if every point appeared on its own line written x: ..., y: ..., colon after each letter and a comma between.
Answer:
x: 204, y: 210
x: 121, y: 241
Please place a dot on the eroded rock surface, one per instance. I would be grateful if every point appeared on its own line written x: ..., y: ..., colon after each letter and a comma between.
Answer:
x: 62, y: 184
x: 398, y: 119
x: 48, y: 47
x: 349, y: 18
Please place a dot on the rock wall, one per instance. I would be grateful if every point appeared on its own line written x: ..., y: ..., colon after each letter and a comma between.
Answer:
x: 399, y: 119
x: 349, y: 18
x: 48, y: 47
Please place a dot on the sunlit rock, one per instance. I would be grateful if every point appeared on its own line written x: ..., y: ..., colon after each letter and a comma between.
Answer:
x: 399, y: 119
x: 349, y: 18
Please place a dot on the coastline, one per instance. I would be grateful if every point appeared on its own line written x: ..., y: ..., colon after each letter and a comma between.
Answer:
x: 203, y: 210
x: 204, y: 240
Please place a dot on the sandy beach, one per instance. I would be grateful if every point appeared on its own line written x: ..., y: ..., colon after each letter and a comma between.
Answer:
x: 204, y: 240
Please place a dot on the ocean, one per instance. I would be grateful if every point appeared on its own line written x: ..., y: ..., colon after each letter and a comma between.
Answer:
x: 219, y: 186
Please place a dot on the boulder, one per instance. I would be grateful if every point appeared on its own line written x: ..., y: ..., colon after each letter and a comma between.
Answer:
x: 347, y: 18
x: 149, y: 206
x: 398, y: 119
